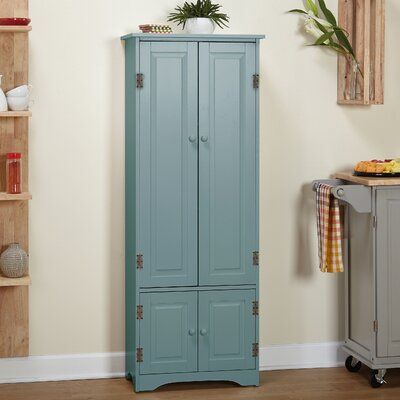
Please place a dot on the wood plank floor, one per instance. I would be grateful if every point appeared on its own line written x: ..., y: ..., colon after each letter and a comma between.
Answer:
x: 319, y: 384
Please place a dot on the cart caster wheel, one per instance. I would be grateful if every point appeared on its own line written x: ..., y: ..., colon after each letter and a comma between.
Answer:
x: 128, y: 377
x: 376, y: 382
x: 352, y: 365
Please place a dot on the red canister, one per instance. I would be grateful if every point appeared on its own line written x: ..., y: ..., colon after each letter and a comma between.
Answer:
x: 14, y: 173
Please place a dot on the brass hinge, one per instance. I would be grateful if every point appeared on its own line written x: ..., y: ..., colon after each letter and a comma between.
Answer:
x: 139, y: 261
x: 256, y: 258
x: 139, y: 354
x: 256, y: 81
x: 256, y: 309
x: 139, y: 312
x: 139, y: 80
x: 375, y: 325
x: 255, y: 350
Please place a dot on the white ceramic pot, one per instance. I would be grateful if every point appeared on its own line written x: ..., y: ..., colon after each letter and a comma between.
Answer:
x: 3, y: 100
x: 200, y: 26
x: 20, y: 91
x: 18, y: 103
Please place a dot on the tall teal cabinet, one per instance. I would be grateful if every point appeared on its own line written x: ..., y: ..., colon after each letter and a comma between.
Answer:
x: 191, y: 208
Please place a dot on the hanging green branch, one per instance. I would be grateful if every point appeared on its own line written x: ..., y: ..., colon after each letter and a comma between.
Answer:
x: 325, y: 29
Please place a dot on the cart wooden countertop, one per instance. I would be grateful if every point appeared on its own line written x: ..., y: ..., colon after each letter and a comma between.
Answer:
x: 348, y: 176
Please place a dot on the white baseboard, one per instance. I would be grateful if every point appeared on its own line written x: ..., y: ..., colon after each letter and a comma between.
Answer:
x: 299, y: 356
x: 111, y: 365
x: 62, y: 367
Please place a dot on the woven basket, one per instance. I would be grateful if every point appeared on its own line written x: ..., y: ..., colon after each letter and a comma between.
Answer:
x: 14, y: 262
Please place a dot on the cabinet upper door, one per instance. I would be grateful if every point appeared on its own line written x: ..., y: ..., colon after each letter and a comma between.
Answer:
x: 168, y: 332
x: 227, y: 163
x: 388, y: 272
x: 226, y: 330
x: 167, y: 158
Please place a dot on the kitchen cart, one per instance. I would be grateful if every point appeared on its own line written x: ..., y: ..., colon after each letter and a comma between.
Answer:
x: 372, y: 271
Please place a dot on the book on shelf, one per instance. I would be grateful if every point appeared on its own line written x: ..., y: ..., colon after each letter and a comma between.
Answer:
x: 153, y: 28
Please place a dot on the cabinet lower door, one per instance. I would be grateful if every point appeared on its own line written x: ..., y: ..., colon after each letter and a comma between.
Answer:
x: 227, y: 164
x: 226, y: 330
x: 388, y: 272
x: 167, y: 160
x: 168, y: 332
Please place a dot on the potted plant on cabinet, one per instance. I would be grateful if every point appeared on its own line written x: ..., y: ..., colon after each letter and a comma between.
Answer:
x: 200, y: 17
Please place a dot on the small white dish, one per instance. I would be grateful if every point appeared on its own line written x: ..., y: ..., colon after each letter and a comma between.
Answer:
x: 18, y: 103
x: 20, y: 91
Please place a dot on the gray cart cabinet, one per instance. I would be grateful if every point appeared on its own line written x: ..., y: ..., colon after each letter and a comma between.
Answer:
x: 372, y: 255
x: 191, y: 209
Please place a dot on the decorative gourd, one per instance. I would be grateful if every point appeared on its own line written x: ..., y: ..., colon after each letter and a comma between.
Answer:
x: 14, y: 262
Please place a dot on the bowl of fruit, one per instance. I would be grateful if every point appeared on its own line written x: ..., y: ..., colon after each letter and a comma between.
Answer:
x: 378, y: 168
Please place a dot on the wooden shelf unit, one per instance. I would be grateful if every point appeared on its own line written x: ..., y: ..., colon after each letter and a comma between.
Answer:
x: 15, y: 28
x: 14, y: 282
x: 14, y: 133
x: 364, y: 20
x: 15, y: 114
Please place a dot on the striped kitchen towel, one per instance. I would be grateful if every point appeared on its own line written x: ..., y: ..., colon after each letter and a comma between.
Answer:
x: 329, y: 229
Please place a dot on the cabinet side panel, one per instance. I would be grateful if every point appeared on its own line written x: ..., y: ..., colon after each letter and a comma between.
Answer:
x: 130, y: 202
x: 257, y: 196
x: 360, y: 279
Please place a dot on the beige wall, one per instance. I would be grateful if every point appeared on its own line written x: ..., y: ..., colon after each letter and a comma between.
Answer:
x: 77, y: 173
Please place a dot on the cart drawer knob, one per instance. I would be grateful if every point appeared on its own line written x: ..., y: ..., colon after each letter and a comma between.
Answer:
x: 340, y: 192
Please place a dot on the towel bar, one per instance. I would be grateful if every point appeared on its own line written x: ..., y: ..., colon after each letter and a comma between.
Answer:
x: 358, y: 196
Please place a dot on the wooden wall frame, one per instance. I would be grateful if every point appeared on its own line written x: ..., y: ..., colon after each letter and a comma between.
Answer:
x: 364, y: 20
x: 14, y: 126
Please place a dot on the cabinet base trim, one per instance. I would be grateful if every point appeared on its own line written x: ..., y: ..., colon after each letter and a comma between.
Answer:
x: 152, y: 382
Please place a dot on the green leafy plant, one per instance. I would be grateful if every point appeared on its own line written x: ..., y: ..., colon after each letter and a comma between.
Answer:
x: 326, y: 29
x: 200, y: 9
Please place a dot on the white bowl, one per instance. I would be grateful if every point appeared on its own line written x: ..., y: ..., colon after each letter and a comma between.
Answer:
x: 18, y: 103
x: 20, y: 91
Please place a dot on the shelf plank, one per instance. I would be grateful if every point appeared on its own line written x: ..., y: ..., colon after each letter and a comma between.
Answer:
x: 15, y: 114
x: 15, y: 197
x: 348, y: 176
x: 16, y: 28
x: 9, y: 282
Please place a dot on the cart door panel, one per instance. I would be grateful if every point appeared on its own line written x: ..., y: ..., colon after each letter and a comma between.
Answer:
x: 388, y: 272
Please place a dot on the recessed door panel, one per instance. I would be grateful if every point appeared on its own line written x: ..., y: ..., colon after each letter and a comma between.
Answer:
x: 388, y: 272
x: 167, y: 221
x: 227, y: 163
x: 168, y: 332
x: 226, y: 330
